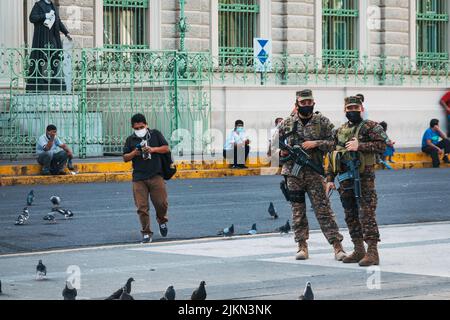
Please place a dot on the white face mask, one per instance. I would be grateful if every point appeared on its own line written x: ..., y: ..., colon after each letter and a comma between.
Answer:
x: 141, y: 133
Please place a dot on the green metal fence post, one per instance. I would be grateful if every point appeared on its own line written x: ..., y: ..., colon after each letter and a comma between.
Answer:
x: 82, y: 108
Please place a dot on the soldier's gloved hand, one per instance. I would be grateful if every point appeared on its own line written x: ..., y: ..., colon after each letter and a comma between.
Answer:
x: 352, y: 145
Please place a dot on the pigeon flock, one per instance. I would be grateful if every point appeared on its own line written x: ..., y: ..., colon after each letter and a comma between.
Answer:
x: 229, y: 231
x: 23, y: 218
x: 124, y: 293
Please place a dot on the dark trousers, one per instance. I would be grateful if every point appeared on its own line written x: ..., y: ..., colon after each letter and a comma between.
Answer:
x: 444, y: 144
x: 53, y: 162
x: 448, y: 125
x: 155, y: 188
x: 238, y: 154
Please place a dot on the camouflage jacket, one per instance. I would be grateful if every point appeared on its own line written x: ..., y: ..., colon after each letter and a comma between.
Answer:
x: 319, y: 129
x: 372, y: 139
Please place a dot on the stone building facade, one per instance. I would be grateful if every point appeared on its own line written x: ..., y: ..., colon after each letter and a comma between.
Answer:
x: 382, y: 27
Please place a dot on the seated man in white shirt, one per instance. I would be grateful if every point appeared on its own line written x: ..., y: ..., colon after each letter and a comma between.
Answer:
x: 237, y: 145
x: 52, y: 153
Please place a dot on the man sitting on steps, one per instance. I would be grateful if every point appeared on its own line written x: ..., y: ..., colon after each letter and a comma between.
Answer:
x: 432, y: 146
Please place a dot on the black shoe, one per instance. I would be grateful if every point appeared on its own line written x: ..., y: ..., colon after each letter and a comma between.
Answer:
x: 243, y: 166
x: 445, y: 159
x: 70, y: 165
x: 147, y: 239
x: 163, y: 230
x: 234, y: 166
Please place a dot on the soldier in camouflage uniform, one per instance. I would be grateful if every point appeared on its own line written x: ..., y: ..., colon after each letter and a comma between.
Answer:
x: 366, y: 138
x: 313, y: 132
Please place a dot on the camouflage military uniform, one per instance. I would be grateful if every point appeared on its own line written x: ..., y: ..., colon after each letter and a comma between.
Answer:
x: 361, y: 223
x: 319, y: 128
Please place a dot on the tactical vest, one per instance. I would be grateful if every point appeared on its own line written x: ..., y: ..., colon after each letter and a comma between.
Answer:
x: 296, y: 139
x: 344, y: 135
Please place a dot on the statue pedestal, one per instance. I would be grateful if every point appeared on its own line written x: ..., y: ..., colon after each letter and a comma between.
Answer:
x: 31, y: 113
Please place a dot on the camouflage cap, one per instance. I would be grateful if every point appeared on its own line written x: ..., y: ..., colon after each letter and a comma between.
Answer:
x: 353, y: 100
x: 305, y: 95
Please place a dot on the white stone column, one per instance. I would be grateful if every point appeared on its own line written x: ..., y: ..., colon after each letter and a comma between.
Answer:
x: 98, y: 24
x: 12, y: 23
x: 412, y: 30
x: 318, y: 30
x: 265, y: 19
x: 154, y: 24
x: 364, y: 38
x: 214, y: 31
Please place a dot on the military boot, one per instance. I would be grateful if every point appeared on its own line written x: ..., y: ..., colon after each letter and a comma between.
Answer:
x: 358, y: 253
x: 339, y: 252
x: 371, y: 258
x: 302, y: 253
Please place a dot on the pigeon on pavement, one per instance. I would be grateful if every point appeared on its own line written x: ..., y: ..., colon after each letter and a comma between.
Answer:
x: 169, y: 294
x: 227, y: 232
x: 30, y: 198
x: 41, y: 271
x: 69, y: 292
x: 126, y: 288
x: 285, y: 228
x: 125, y: 295
x: 50, y: 217
x: 272, y: 211
x: 55, y: 200
x: 200, y: 292
x: 253, y: 230
x: 308, y: 293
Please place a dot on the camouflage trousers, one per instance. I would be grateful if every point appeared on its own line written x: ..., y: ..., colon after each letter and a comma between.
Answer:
x: 361, y: 223
x: 314, y: 185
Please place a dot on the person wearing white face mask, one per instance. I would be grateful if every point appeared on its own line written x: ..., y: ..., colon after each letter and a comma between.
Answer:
x: 237, y: 145
x: 144, y: 148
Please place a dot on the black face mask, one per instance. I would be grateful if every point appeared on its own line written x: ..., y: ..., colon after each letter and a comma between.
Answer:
x: 354, y: 116
x: 305, y: 111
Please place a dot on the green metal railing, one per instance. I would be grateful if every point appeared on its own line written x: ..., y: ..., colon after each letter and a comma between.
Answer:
x: 98, y: 92
x: 237, y: 28
x: 339, y: 40
x: 125, y: 23
x: 432, y: 31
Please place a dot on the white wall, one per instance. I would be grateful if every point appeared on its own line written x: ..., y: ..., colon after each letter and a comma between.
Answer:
x: 406, y: 110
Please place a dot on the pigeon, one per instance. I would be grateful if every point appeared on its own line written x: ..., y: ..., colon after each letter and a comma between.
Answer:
x: 252, y: 231
x: 41, y: 270
x: 20, y: 221
x: 69, y: 293
x: 30, y: 198
x: 50, y: 217
x: 200, y: 292
x: 308, y: 293
x: 285, y: 229
x: 26, y: 213
x: 68, y: 214
x: 227, y: 232
x: 272, y: 211
x: 126, y: 288
x: 55, y: 200
x: 125, y: 295
x: 169, y: 294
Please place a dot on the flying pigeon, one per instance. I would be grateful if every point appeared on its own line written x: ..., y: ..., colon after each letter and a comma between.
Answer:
x: 55, y: 200
x: 30, y: 198
x: 252, y: 231
x: 126, y: 288
x: 41, y: 271
x: 200, y: 292
x: 227, y: 232
x: 286, y: 228
x: 69, y: 293
x: 169, y: 294
x: 50, y: 217
x: 272, y: 211
x: 308, y: 293
x: 125, y: 295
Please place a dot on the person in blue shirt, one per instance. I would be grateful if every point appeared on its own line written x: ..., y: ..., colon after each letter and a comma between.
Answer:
x: 436, y: 143
x: 52, y: 153
x: 237, y: 145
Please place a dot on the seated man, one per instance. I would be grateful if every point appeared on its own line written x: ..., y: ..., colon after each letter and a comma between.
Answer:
x: 237, y: 145
x: 432, y: 146
x: 52, y: 152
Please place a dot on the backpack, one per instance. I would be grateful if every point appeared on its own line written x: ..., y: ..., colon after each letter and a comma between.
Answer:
x: 167, y: 164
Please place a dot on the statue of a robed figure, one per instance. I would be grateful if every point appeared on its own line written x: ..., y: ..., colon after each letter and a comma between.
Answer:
x: 45, y: 71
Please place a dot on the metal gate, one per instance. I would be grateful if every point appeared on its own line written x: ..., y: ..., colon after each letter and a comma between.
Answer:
x: 91, y: 94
